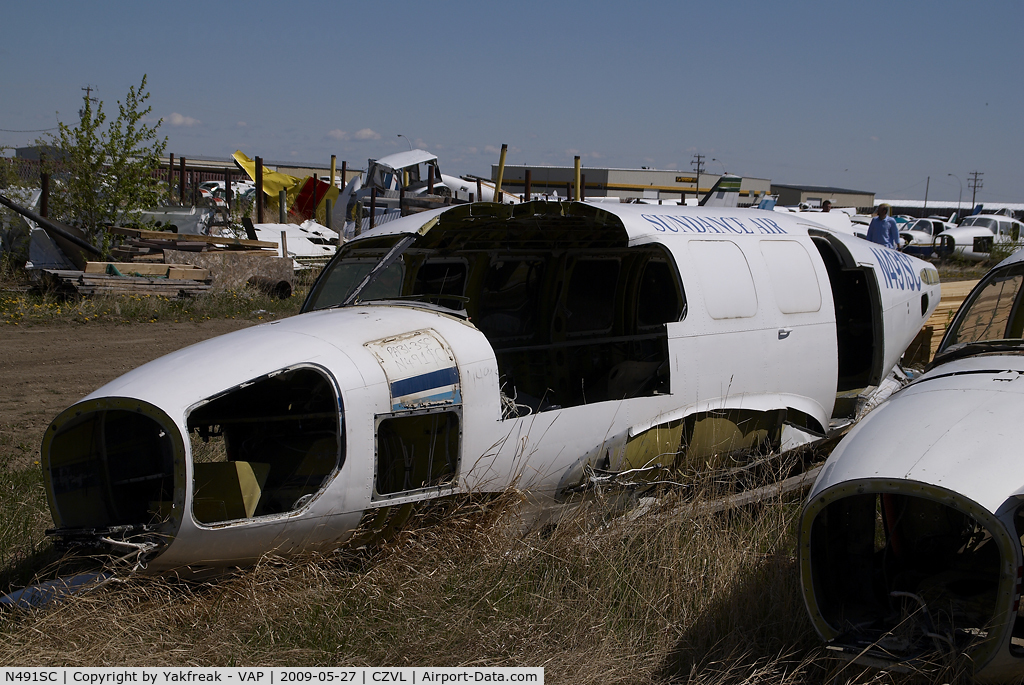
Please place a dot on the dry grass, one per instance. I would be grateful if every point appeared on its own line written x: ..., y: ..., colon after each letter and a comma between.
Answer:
x: 666, y: 596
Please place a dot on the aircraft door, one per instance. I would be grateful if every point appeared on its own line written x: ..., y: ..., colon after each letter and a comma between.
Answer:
x: 882, y: 299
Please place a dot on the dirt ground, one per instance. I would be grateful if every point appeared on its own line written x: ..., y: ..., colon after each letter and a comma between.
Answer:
x: 45, y: 368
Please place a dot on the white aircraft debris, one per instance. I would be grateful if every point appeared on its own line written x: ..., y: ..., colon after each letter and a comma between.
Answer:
x: 462, y: 349
x: 910, y: 540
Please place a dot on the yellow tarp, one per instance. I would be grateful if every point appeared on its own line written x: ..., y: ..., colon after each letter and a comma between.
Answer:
x: 274, y: 182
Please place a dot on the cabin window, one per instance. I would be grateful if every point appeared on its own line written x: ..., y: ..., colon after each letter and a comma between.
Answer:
x: 725, y: 278
x: 266, y: 447
x: 508, y: 307
x: 658, y: 297
x: 794, y: 280
x: 590, y: 300
x: 416, y: 451
x: 437, y: 279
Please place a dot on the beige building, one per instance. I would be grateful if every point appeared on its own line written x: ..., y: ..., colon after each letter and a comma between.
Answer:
x: 791, y: 195
x: 646, y: 183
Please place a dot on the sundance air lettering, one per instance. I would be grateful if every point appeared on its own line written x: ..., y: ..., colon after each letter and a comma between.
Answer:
x: 714, y: 224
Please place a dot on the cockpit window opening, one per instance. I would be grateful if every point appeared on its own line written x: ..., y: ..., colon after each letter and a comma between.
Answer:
x: 266, y: 447
x: 993, y: 311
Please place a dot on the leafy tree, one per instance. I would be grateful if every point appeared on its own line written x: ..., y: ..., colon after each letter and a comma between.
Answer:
x: 107, y: 173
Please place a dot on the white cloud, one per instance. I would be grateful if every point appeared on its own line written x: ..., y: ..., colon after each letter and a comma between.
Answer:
x: 338, y: 134
x: 367, y: 134
x: 472, y: 150
x: 181, y: 120
x: 490, y: 149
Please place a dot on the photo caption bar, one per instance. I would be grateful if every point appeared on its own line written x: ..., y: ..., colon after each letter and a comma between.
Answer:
x: 268, y: 676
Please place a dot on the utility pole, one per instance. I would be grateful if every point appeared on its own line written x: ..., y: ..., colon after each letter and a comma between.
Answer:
x: 88, y: 93
x: 698, y: 165
x: 926, y: 185
x: 974, y: 182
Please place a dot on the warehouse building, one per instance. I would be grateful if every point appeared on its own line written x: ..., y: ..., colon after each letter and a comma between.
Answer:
x: 655, y: 184
x: 813, y: 196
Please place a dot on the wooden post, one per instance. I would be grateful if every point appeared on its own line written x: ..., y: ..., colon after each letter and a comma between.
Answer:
x: 316, y: 182
x: 227, y: 188
x: 259, y: 190
x: 373, y: 205
x: 344, y: 168
x: 282, y: 207
x: 284, y: 243
x: 195, y: 189
x: 181, y: 188
x: 334, y: 167
x: 583, y: 186
x: 528, y: 184
x: 44, y: 185
x: 327, y: 206
x: 576, y: 178
x: 479, y: 191
x: 170, y: 179
x: 501, y: 172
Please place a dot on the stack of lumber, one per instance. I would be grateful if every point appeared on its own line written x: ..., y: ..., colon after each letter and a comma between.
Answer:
x: 145, y: 246
x: 953, y: 295
x: 922, y: 349
x: 123, y: 278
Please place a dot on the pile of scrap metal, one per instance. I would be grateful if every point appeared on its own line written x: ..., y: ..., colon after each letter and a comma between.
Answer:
x: 59, y: 255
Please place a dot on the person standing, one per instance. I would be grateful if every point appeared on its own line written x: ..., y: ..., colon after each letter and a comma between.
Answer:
x: 826, y: 206
x: 883, y: 229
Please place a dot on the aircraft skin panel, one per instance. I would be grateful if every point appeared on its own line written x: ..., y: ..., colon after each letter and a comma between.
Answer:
x: 950, y: 428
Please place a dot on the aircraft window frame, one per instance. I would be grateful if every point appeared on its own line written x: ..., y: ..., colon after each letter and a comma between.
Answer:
x: 588, y: 256
x: 537, y: 271
x: 442, y: 481
x: 1013, y: 310
x: 260, y: 483
x: 680, y: 294
x: 711, y: 268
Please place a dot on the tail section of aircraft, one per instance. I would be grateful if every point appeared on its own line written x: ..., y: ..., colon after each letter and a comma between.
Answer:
x: 725, y: 193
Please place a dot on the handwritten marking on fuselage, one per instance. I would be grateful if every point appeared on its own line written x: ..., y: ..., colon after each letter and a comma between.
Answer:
x: 669, y: 223
x: 897, y: 270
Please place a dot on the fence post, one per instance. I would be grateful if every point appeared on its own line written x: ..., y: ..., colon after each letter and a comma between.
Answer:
x: 227, y: 188
x: 282, y: 207
x: 170, y: 179
x: 259, y: 190
x: 181, y: 189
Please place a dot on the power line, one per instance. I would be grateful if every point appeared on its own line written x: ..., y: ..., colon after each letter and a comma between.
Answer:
x: 35, y: 130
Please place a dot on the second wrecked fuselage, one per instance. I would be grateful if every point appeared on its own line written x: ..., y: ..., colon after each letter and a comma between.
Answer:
x: 465, y: 349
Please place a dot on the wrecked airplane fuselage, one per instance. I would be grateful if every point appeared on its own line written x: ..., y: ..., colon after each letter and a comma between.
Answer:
x: 910, y: 540
x: 464, y: 349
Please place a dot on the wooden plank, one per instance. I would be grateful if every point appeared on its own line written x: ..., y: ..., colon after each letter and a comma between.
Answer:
x: 801, y: 483
x: 188, y: 273
x: 210, y: 239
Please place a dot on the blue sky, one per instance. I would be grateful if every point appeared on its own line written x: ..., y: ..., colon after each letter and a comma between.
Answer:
x: 873, y: 96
